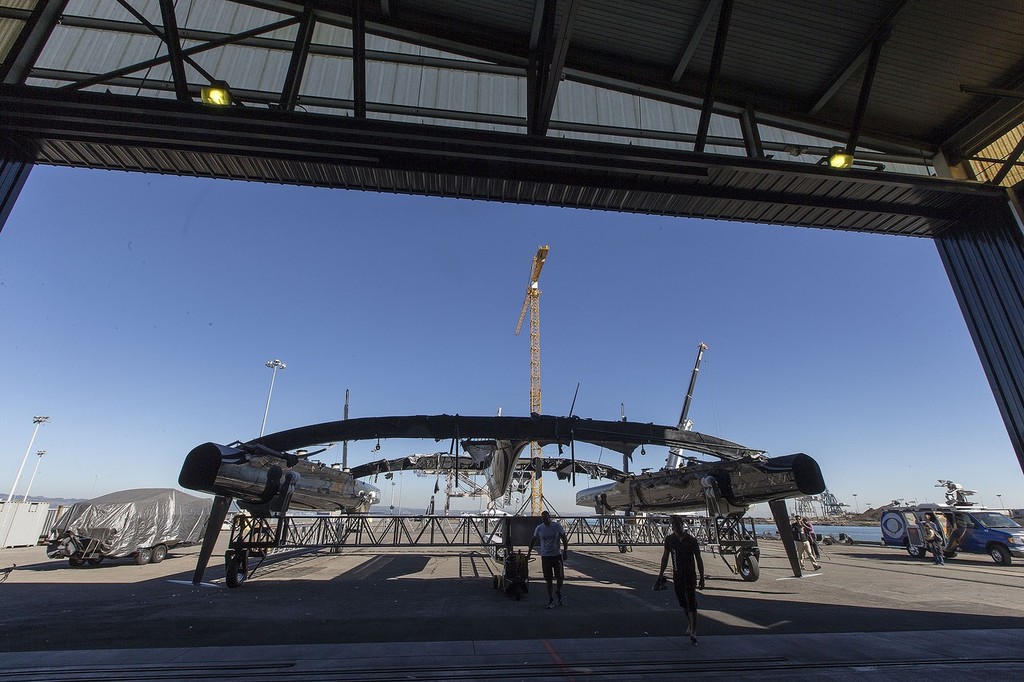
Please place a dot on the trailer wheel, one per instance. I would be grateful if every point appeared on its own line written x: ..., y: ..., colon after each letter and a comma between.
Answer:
x: 76, y: 562
x: 916, y: 552
x: 999, y: 554
x: 143, y: 556
x: 748, y: 568
x: 159, y: 554
x: 236, y: 569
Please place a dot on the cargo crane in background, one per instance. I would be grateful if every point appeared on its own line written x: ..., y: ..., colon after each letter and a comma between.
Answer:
x: 675, y: 455
x: 532, y: 301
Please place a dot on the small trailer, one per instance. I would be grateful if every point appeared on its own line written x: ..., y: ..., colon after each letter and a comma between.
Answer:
x: 142, y: 524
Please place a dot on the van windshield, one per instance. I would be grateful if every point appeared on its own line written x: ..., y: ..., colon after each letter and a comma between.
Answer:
x: 995, y: 520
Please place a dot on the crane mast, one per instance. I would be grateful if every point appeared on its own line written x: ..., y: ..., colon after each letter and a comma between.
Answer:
x: 675, y: 455
x: 532, y: 301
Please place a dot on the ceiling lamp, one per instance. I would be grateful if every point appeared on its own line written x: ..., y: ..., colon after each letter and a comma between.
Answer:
x: 839, y: 158
x: 216, y: 94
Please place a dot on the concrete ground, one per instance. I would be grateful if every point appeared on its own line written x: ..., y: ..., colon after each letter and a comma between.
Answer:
x: 433, y: 613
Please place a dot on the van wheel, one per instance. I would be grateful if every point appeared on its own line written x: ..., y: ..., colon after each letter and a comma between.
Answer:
x: 917, y: 552
x: 999, y: 554
x: 159, y: 554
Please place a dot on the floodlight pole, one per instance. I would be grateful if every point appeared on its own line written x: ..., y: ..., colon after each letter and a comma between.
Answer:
x: 38, y: 421
x: 274, y: 365
x: 39, y: 458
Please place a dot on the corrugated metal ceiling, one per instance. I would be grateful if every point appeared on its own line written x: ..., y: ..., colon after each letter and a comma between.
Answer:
x: 795, y: 68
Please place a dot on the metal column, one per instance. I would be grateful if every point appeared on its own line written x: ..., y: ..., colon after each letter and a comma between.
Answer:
x: 14, y: 69
x: 984, y: 259
x: 12, y: 178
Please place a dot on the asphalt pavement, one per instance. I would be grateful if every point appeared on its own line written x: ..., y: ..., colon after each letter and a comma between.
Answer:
x: 434, y: 613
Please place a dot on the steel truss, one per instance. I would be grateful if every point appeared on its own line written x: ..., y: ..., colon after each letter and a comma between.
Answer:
x: 733, y: 538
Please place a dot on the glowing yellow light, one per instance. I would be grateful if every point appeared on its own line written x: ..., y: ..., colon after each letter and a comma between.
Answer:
x: 216, y: 95
x: 840, y: 159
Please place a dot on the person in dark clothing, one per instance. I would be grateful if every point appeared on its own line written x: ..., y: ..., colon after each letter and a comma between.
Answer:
x: 686, y: 565
x: 812, y: 537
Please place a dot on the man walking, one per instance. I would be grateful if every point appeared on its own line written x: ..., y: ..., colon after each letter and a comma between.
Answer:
x: 686, y: 563
x: 549, y: 533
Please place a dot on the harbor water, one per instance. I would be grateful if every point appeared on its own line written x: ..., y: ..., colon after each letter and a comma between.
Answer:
x: 858, y: 533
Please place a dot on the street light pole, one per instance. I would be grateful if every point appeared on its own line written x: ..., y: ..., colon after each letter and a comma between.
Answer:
x: 32, y: 480
x: 856, y: 508
x: 274, y: 365
x: 1000, y: 497
x: 38, y: 421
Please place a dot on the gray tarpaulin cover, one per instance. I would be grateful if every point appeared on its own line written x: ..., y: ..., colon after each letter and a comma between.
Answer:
x: 133, y: 519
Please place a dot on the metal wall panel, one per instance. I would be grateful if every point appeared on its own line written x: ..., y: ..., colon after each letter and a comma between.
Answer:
x: 984, y: 259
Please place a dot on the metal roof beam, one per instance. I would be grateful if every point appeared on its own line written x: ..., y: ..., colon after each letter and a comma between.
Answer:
x: 359, y: 58
x: 751, y: 135
x: 196, y: 49
x: 863, y: 52
x: 994, y: 118
x: 698, y: 33
x: 270, y: 99
x: 724, y: 17
x: 297, y: 63
x: 29, y: 117
x: 30, y: 41
x: 250, y: 38
x: 1009, y: 163
x: 170, y: 37
x: 547, y: 60
x: 865, y: 93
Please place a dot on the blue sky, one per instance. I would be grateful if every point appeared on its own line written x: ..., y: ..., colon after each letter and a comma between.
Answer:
x: 138, y: 312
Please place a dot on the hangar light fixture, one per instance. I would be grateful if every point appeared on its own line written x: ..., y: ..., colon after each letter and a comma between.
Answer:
x: 839, y: 158
x: 216, y: 94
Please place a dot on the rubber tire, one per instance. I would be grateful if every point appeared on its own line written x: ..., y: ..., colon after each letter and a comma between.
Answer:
x: 94, y: 561
x: 917, y: 552
x: 159, y: 554
x: 143, y: 556
x: 236, y: 571
x: 748, y: 568
x: 76, y: 562
x: 999, y: 554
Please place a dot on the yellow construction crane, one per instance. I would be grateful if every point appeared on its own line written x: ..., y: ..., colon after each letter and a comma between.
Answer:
x: 532, y: 301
